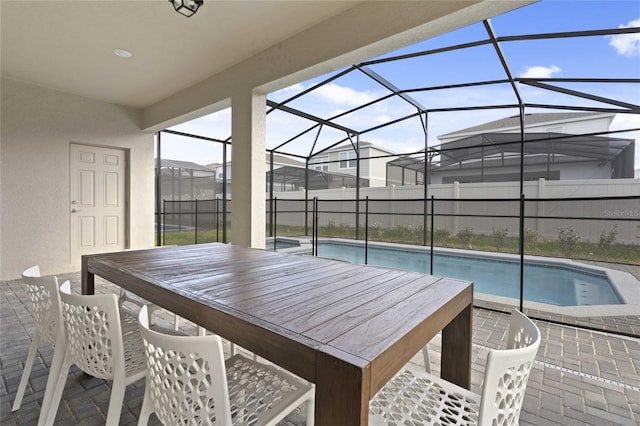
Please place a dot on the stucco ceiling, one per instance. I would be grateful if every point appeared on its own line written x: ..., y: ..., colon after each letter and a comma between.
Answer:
x: 183, y: 68
x: 68, y: 45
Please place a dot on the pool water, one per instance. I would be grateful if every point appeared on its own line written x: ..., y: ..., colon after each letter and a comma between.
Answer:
x: 281, y: 243
x: 543, y: 283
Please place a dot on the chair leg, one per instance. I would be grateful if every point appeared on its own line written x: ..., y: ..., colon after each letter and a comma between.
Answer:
x: 310, y: 411
x: 26, y: 372
x: 54, y: 374
x: 425, y: 357
x: 176, y: 322
x: 53, y: 394
x: 147, y: 408
x: 115, y: 403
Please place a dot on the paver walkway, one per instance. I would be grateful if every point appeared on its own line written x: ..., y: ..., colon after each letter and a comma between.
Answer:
x: 580, y: 377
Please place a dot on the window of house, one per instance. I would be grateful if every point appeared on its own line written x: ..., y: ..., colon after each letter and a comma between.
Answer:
x: 320, y: 164
x: 348, y: 160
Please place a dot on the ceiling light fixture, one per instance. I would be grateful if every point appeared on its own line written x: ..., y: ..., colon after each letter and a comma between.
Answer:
x: 186, y: 7
x: 122, y: 53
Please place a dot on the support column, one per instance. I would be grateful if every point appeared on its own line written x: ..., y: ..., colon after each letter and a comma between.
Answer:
x: 248, y: 210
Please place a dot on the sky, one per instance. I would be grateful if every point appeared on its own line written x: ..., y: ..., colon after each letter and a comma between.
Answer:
x: 583, y: 57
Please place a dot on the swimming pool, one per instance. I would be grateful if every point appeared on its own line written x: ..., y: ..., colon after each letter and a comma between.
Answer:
x: 281, y: 243
x: 553, y: 284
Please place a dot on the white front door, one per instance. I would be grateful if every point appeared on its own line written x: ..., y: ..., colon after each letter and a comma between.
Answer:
x: 98, y: 200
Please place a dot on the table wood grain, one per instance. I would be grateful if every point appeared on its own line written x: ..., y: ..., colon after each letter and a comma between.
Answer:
x: 347, y: 328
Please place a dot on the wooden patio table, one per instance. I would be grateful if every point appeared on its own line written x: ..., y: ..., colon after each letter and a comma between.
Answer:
x: 347, y: 328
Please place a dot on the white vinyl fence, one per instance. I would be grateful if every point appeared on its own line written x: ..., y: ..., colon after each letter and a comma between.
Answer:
x: 484, y: 207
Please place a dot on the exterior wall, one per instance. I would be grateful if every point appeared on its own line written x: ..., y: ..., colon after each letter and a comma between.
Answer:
x: 583, y: 126
x: 378, y: 167
x: 38, y: 126
x: 408, y: 207
x: 375, y: 170
x: 566, y: 170
x: 586, y: 170
x: 592, y: 124
x: 334, y: 165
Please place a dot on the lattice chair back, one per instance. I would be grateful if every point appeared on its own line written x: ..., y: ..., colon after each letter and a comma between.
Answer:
x: 100, y: 343
x: 94, y: 334
x: 45, y: 301
x: 186, y: 380
x: 507, y: 372
x: 44, y: 293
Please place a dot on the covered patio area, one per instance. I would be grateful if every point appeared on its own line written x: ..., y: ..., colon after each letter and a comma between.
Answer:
x: 579, y: 376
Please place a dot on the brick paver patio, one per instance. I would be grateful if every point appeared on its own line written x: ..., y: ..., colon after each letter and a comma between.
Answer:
x: 580, y: 377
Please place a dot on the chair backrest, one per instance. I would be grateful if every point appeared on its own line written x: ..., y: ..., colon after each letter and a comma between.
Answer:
x: 186, y: 377
x: 44, y: 293
x: 507, y: 372
x: 94, y: 334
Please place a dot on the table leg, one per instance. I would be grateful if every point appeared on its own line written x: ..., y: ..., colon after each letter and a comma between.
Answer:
x: 87, y: 278
x: 342, y: 392
x: 456, y: 349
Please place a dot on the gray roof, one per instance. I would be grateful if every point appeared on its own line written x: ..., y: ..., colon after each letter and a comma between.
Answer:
x: 529, y: 120
x: 362, y: 144
x: 177, y: 164
x: 283, y: 159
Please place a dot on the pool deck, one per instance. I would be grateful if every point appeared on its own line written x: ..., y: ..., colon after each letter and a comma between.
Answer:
x: 580, y: 377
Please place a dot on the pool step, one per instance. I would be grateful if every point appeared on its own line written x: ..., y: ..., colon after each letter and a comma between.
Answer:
x: 589, y: 293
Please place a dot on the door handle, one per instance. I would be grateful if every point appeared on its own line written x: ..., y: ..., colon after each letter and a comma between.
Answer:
x: 75, y: 210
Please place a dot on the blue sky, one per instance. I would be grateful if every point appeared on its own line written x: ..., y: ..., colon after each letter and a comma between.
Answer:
x: 584, y: 57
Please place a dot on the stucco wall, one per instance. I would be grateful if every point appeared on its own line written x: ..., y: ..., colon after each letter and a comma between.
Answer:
x: 37, y: 127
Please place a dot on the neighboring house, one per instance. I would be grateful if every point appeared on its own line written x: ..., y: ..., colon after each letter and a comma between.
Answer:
x: 558, y: 146
x: 342, y: 159
x: 280, y: 162
x: 185, y: 180
x: 334, y: 168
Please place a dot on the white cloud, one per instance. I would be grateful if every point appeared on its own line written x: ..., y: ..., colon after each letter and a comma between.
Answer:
x: 342, y: 95
x: 381, y: 119
x: 627, y: 44
x: 540, y: 72
x: 220, y: 116
x: 287, y: 92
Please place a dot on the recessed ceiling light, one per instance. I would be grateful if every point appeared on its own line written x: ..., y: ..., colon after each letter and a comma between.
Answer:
x: 122, y: 53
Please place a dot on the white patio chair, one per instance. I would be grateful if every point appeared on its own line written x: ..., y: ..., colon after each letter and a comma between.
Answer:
x: 127, y: 298
x: 189, y: 382
x: 426, y: 359
x: 425, y: 350
x: 103, y: 344
x: 416, y: 397
x: 45, y: 302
